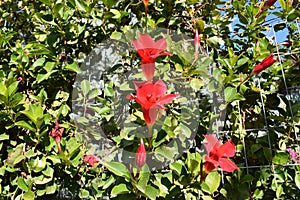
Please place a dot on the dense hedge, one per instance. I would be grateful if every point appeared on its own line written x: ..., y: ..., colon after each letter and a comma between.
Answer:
x: 46, y: 149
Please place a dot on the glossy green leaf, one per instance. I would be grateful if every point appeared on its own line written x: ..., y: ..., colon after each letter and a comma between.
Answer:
x: 231, y: 94
x: 29, y: 195
x: 297, y: 180
x: 119, y: 189
x: 22, y: 185
x: 281, y: 158
x: 85, y: 87
x: 213, y: 180
x: 119, y: 169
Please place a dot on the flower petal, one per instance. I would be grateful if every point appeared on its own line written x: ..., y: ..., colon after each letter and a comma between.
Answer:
x: 161, y: 44
x: 148, y: 70
x: 211, y: 142
x: 150, y: 115
x: 160, y: 88
x: 227, y: 149
x: 227, y: 165
x: 208, y: 167
x: 167, y: 98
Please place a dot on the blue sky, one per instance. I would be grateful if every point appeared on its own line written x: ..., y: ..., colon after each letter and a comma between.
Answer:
x: 270, y: 20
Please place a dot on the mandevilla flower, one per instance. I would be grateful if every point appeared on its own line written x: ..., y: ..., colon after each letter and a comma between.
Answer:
x: 140, y: 156
x: 266, y: 5
x: 264, y: 64
x: 146, y: 2
x: 91, y: 159
x: 149, y: 50
x: 217, y: 155
x: 56, y: 133
x: 151, y: 96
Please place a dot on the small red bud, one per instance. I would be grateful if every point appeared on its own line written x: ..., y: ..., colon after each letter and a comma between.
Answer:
x: 140, y: 157
x: 264, y: 64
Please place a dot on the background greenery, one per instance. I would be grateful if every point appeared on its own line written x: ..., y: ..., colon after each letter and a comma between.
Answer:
x: 42, y: 46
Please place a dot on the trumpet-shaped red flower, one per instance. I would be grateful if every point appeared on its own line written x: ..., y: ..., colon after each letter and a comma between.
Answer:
x: 217, y: 155
x: 264, y: 64
x: 149, y: 50
x: 146, y: 2
x: 140, y: 156
x: 266, y: 5
x: 151, y: 96
x: 91, y: 159
x: 57, y: 132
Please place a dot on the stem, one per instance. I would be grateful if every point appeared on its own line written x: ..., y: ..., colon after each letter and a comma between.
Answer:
x: 150, y: 137
x: 146, y: 15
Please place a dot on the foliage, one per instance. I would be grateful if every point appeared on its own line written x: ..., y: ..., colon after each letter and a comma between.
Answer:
x: 43, y: 48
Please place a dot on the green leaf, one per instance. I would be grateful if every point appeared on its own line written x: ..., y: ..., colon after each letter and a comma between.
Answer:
x: 110, y: 3
x: 12, y: 88
x: 4, y: 136
x: 279, y: 191
x: 281, y: 158
x: 119, y: 189
x: 85, y: 87
x: 21, y: 184
x: 212, y: 180
x: 41, y: 180
x: 297, y: 180
x: 183, y: 130
x: 215, y: 41
x: 39, y: 165
x: 73, y: 146
x: 48, y: 171
x: 118, y: 169
x: 176, y: 167
x: 81, y: 6
x: 41, y: 77
x: 51, y: 189
x: 73, y: 67
x: 231, y: 94
x: 116, y: 35
x: 108, y: 182
x: 143, y: 179
x: 102, y: 110
x: 49, y: 66
x: 293, y: 15
x: 29, y: 195
x: 200, y: 24
x: 151, y: 192
x: 166, y: 152
x: 242, y: 18
x: 241, y: 62
x: 26, y: 125
x: 54, y: 158
x: 196, y: 83
x: 15, y: 154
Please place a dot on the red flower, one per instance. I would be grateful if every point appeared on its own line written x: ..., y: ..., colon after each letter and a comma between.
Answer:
x: 146, y: 2
x: 140, y: 156
x: 151, y: 97
x: 91, y: 159
x: 264, y: 64
x: 217, y: 155
x: 149, y: 50
x: 266, y: 5
x: 56, y: 133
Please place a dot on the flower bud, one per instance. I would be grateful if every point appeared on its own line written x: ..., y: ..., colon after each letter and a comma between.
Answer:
x: 140, y: 157
x: 264, y: 64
